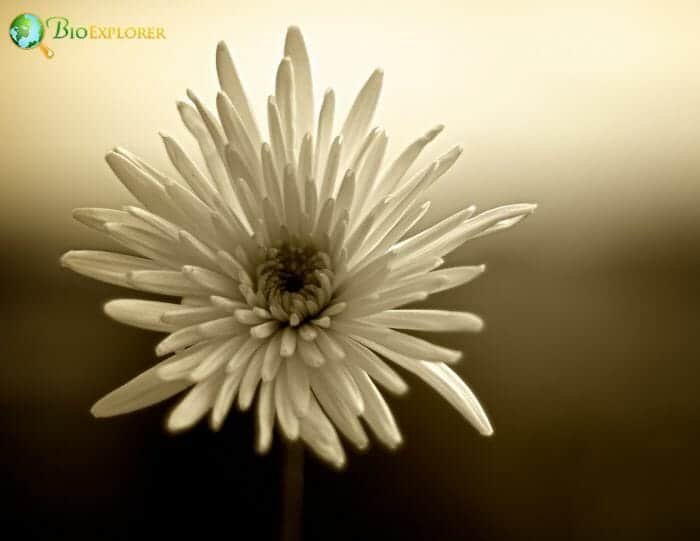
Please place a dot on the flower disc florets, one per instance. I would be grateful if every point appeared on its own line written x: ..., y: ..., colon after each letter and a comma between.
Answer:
x: 294, y: 283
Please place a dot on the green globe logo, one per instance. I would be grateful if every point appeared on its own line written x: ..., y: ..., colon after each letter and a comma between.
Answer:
x: 27, y: 31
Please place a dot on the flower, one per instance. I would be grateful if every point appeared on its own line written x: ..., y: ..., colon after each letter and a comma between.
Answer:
x: 291, y: 259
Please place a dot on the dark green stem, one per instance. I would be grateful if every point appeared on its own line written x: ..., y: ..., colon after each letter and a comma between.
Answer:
x: 292, y: 491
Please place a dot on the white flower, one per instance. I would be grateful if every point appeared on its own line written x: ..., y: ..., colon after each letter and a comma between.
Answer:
x: 291, y: 259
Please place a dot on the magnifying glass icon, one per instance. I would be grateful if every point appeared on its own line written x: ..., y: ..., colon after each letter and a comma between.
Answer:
x: 27, y: 31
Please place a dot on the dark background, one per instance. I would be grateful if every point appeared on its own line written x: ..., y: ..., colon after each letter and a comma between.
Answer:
x: 588, y: 366
x: 590, y: 378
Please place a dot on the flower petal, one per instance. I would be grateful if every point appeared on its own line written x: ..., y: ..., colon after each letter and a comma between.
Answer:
x: 451, y: 387
x: 265, y: 417
x: 286, y: 101
x: 361, y: 112
x: 377, y: 412
x: 428, y: 320
x: 366, y: 360
x: 141, y: 314
x: 338, y: 411
x: 250, y: 381
x: 144, y: 390
x: 320, y: 434
x: 108, y: 267
x: 225, y: 397
x: 298, y: 385
x: 295, y: 49
x: 194, y: 406
x: 324, y: 132
x: 231, y: 84
x: 401, y: 164
x: 289, y: 422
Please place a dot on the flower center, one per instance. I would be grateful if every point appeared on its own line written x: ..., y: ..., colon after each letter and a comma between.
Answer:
x: 295, y: 282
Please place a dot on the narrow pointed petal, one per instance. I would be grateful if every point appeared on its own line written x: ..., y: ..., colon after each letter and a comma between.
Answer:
x: 280, y: 152
x: 239, y: 168
x: 194, y: 406
x: 409, y: 346
x: 292, y: 201
x: 289, y: 422
x: 200, y: 183
x: 379, y: 303
x: 432, y: 233
x: 451, y: 387
x: 286, y: 101
x: 403, y: 162
x: 330, y: 173
x: 264, y: 330
x: 361, y: 112
x: 324, y: 132
x: 107, y: 267
x: 184, y: 362
x: 346, y: 192
x: 96, y: 218
x: 446, y: 161
x: 197, y: 214
x: 360, y: 153
x: 295, y: 49
x: 265, y: 417
x: 142, y: 391
x: 306, y: 162
x: 310, y: 354
x: 181, y: 316
x: 164, y: 282
x: 250, y: 381
x: 244, y: 354
x: 330, y: 348
x: 215, y: 282
x: 140, y: 183
x: 471, y: 228
x: 338, y: 411
x: 501, y: 225
x: 271, y: 176
x: 205, y: 128
x: 237, y: 135
x: 272, y: 359
x: 455, y: 277
x: 140, y: 313
x: 428, y: 320
x: 367, y: 174
x: 389, y: 235
x: 152, y: 222
x: 216, y: 359
x: 298, y: 385
x: 377, y: 412
x: 231, y: 84
x: 146, y: 243
x: 320, y: 434
x: 224, y: 398
x: 343, y: 387
x: 288, y: 344
x: 366, y: 360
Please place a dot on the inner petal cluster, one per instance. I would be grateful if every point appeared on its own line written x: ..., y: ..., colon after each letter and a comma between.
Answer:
x: 294, y: 282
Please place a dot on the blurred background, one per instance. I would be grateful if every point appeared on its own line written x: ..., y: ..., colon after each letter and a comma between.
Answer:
x: 588, y: 365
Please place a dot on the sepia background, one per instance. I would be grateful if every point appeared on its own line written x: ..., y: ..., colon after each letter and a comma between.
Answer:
x: 588, y: 365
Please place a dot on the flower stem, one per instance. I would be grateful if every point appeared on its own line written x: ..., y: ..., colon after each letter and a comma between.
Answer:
x: 292, y: 491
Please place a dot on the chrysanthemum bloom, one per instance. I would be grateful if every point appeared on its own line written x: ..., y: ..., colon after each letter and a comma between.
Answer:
x: 289, y: 261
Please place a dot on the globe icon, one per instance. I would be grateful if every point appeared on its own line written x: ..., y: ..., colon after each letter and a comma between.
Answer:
x: 27, y: 31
